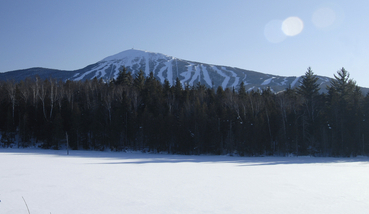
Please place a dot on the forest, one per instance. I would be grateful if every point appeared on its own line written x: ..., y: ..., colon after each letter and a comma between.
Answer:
x: 140, y: 113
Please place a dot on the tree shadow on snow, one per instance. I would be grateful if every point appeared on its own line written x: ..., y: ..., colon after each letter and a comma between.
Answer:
x: 240, y: 161
x: 135, y: 157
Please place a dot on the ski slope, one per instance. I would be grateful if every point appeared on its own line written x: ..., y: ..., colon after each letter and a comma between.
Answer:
x: 89, y: 182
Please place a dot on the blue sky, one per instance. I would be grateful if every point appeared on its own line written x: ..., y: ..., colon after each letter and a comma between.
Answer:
x: 68, y: 35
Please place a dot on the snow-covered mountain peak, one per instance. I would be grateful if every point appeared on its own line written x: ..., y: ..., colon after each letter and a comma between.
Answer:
x: 169, y: 68
x: 133, y: 54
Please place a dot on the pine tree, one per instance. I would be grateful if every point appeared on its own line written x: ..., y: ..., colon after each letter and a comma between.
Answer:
x: 178, y: 88
x: 122, y: 75
x: 309, y: 87
x: 340, y: 92
x: 342, y: 85
x: 139, y: 81
x: 309, y: 91
x: 242, y: 90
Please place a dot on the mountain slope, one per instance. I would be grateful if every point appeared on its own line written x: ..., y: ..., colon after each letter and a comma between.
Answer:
x: 167, y: 67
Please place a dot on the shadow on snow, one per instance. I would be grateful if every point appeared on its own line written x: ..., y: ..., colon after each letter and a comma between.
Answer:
x: 136, y: 157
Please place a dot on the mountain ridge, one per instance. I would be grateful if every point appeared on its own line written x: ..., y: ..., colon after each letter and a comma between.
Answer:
x: 169, y: 68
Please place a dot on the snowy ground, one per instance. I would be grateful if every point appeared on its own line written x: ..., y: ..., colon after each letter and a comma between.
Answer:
x: 115, y: 183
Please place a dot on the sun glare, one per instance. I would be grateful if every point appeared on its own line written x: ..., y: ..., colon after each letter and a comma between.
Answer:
x: 292, y: 26
x: 276, y: 30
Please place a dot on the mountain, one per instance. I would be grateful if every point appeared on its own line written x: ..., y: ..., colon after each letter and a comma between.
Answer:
x: 167, y: 67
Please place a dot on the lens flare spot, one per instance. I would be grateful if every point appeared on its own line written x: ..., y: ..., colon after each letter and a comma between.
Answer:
x: 273, y: 32
x: 324, y: 17
x: 292, y: 26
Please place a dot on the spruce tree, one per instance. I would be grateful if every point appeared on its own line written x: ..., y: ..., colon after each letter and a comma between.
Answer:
x: 309, y: 91
x: 139, y: 81
x: 340, y: 93
x: 122, y: 75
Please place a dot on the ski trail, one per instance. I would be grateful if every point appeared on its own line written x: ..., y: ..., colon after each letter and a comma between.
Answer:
x: 196, y: 74
x: 295, y: 81
x: 244, y: 79
x: 267, y: 81
x: 177, y: 68
x: 226, y: 78
x: 92, y: 70
x: 187, y: 74
x: 168, y: 68
x: 160, y: 73
x: 169, y: 71
x: 156, y: 65
x: 147, y: 69
x: 284, y: 82
x: 206, y: 75
x: 115, y: 72
x: 250, y: 89
x: 98, y: 74
x: 234, y: 75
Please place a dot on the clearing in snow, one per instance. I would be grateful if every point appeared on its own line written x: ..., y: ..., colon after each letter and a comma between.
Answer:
x: 116, y: 182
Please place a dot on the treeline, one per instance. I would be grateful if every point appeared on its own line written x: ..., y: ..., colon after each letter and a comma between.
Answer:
x: 140, y: 113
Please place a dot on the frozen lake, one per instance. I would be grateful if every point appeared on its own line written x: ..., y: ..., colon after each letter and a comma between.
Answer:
x: 89, y: 182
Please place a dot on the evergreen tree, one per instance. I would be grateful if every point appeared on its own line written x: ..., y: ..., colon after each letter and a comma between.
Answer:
x: 340, y: 92
x: 145, y: 114
x: 309, y: 91
x: 139, y: 81
x: 122, y: 75
x: 242, y: 90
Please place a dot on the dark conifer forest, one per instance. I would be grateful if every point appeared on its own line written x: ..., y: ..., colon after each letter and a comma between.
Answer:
x: 140, y: 113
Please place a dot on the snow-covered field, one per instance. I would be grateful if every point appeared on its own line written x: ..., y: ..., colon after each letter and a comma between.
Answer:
x: 109, y: 182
